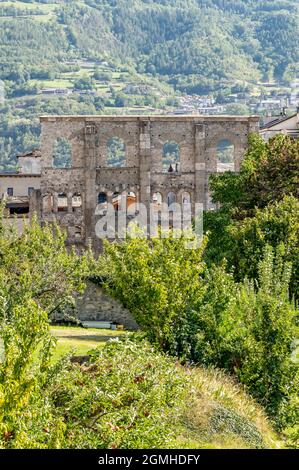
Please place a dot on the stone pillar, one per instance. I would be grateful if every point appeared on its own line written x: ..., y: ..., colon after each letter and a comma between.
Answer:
x: 55, y: 203
x: 90, y: 181
x: 200, y: 164
x: 70, y: 203
x: 35, y: 204
x: 145, y: 163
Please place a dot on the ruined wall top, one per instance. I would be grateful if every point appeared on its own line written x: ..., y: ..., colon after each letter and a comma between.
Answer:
x: 182, y: 118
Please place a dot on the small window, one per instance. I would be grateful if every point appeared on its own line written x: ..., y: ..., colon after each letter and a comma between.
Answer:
x: 131, y: 203
x: 30, y: 190
x: 9, y: 191
x: 116, y: 201
x: 157, y: 201
x: 102, y: 198
x: 186, y: 198
x: 170, y: 199
x: 76, y: 201
x: 102, y: 204
x: 62, y: 203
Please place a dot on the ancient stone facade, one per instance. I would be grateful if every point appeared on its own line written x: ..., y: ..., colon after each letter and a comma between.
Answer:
x: 142, y: 174
x: 96, y: 305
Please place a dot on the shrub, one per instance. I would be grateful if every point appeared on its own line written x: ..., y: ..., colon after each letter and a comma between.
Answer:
x: 159, y: 282
x: 125, y: 398
x: 249, y: 329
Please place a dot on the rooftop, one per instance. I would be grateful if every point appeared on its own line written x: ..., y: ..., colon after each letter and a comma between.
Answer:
x: 277, y: 120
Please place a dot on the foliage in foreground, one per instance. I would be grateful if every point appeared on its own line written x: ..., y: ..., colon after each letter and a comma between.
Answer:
x: 259, y: 207
x: 246, y: 328
x: 37, y: 265
x: 37, y: 275
x: 220, y: 414
x: 126, y: 397
x: 159, y: 282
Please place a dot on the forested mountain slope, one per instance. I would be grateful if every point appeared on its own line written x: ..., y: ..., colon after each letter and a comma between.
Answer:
x: 212, y: 38
x: 185, y: 46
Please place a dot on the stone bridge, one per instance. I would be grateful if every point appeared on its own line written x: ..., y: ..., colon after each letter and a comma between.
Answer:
x: 91, y: 160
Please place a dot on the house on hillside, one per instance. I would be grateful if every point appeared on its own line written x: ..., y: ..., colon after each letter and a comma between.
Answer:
x: 17, y: 189
x: 288, y: 125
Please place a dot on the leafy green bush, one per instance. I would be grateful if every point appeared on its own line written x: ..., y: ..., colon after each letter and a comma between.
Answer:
x: 259, y: 207
x: 159, y: 282
x: 204, y: 316
x: 26, y: 417
x: 125, y: 398
x: 37, y: 275
x: 249, y: 329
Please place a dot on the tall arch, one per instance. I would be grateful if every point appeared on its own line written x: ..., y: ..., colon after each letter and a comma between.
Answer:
x: 225, y: 156
x: 171, y: 155
x: 116, y: 153
x: 116, y: 200
x: 62, y: 153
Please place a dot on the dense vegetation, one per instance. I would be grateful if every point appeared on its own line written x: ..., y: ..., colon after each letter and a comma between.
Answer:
x: 259, y: 206
x: 127, y: 396
x: 231, y: 302
x: 198, y: 314
x: 194, y: 46
x: 211, y: 39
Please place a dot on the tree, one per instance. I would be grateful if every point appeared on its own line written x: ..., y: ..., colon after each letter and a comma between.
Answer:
x: 159, y: 282
x: 269, y: 172
x: 248, y: 328
x: 259, y: 206
x: 84, y: 84
x: 37, y: 276
x: 126, y: 397
x: 38, y: 265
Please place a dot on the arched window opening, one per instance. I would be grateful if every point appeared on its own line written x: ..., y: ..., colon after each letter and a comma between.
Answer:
x: 76, y: 201
x: 186, y: 198
x: 157, y: 201
x: 78, y: 232
x: 116, y: 153
x: 131, y: 203
x: 48, y: 203
x: 102, y: 204
x: 225, y: 156
x: 62, y: 156
x: 62, y: 202
x: 102, y: 198
x: 170, y: 199
x: 171, y: 157
x: 116, y: 200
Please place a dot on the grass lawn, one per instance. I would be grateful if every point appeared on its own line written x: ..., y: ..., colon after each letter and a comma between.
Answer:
x: 81, y: 340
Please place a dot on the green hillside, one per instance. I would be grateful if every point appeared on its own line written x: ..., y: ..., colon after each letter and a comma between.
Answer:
x: 172, y: 46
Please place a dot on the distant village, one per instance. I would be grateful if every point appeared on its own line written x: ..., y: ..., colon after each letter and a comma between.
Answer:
x: 267, y: 101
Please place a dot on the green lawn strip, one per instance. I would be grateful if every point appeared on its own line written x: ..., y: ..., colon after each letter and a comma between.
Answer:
x: 81, y: 340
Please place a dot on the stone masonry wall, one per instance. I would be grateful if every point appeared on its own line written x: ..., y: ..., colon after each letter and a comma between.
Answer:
x: 96, y: 305
x: 143, y: 174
